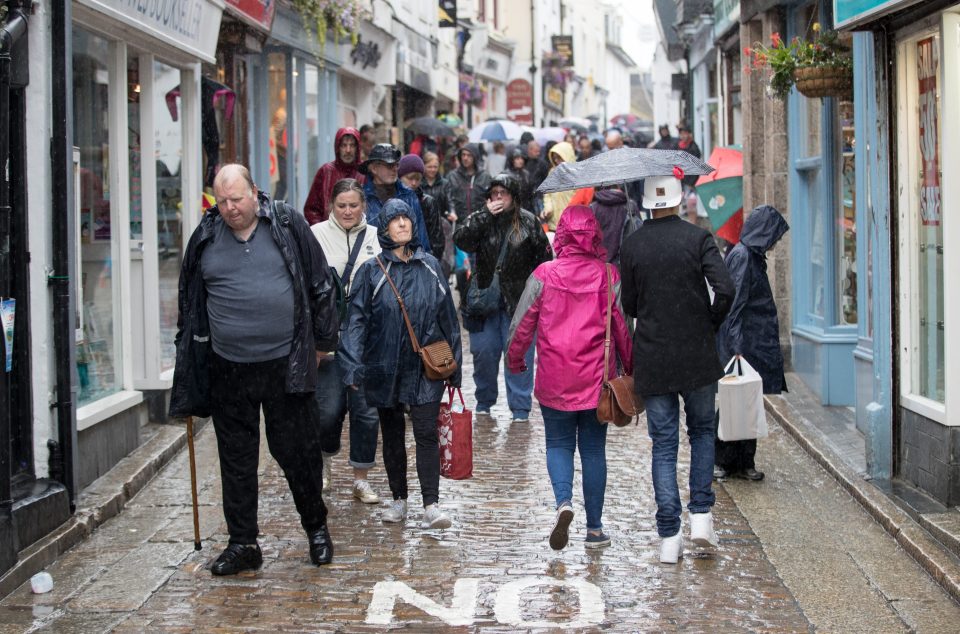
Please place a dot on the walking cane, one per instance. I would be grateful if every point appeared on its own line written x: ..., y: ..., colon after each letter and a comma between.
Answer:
x: 193, y: 484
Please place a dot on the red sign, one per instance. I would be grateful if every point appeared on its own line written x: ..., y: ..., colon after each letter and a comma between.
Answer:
x: 256, y: 12
x: 520, y: 102
x: 927, y: 71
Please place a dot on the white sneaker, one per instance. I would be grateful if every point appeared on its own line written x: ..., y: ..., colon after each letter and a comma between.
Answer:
x: 433, y: 517
x: 364, y: 492
x: 395, y: 512
x: 671, y: 548
x: 701, y: 530
x: 326, y: 472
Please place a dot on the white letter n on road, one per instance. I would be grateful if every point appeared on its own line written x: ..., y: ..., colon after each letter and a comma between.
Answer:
x: 460, y: 612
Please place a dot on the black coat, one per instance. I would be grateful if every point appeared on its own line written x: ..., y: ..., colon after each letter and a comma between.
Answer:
x: 315, y: 317
x: 483, y: 233
x: 752, y: 328
x: 433, y: 216
x: 663, y: 265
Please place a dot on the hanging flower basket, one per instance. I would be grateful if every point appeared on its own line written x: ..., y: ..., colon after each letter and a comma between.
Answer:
x: 824, y: 81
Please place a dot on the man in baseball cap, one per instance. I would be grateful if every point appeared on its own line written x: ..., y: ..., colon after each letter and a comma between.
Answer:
x: 382, y: 184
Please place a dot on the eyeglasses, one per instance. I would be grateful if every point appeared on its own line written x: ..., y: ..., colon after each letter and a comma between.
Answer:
x: 499, y: 193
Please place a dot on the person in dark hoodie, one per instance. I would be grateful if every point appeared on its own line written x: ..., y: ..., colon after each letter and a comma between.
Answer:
x: 346, y: 165
x: 516, y: 166
x: 467, y: 185
x: 618, y: 217
x: 751, y: 329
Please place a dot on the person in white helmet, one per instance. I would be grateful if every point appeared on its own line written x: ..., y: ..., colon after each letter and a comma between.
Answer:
x: 663, y: 265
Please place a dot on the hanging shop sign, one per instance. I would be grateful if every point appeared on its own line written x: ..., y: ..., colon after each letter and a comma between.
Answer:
x: 553, y: 98
x: 184, y: 24
x: 8, y: 308
x: 365, y: 54
x: 928, y: 58
x: 447, y: 13
x: 520, y: 101
x: 848, y: 13
x: 563, y: 46
x: 258, y: 13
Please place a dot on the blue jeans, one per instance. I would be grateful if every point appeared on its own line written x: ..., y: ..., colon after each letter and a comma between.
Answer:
x: 488, y: 347
x: 335, y: 400
x: 564, y: 431
x: 663, y: 424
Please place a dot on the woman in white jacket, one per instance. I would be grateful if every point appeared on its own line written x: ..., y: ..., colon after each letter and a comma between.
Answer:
x: 347, y: 242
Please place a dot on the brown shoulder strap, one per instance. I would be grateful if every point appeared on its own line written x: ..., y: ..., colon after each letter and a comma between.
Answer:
x: 403, y: 309
x: 606, y: 337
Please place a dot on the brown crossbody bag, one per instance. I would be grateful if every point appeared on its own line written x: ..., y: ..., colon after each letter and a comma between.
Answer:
x: 437, y: 357
x: 619, y: 404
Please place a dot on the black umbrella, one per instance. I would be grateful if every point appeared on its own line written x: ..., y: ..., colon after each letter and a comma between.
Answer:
x: 623, y: 165
x: 428, y: 126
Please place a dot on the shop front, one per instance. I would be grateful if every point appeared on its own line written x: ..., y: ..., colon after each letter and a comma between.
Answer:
x: 367, y: 74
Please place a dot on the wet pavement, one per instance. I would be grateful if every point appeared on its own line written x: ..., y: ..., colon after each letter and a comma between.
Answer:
x: 796, y: 553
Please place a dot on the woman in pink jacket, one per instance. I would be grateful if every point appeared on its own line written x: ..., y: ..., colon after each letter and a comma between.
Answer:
x: 564, y: 305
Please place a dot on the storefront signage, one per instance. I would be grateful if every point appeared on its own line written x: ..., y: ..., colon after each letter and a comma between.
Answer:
x: 365, y: 53
x: 190, y: 25
x: 256, y: 12
x: 852, y: 12
x: 447, y: 13
x: 928, y: 54
x: 553, y: 97
x: 726, y: 14
x: 520, y: 101
x: 563, y: 46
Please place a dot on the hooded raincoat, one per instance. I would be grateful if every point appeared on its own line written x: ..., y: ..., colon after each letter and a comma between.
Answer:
x: 375, y: 349
x: 752, y: 328
x: 565, y: 305
x: 317, y: 207
x: 555, y: 203
x: 466, y: 193
x: 618, y: 217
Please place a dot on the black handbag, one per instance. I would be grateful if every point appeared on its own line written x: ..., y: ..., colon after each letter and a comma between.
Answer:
x: 480, y: 303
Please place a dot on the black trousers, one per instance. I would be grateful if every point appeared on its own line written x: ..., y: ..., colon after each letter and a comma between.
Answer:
x: 393, y: 431
x: 735, y: 455
x: 238, y: 391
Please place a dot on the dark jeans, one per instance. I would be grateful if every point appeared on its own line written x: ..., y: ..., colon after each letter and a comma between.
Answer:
x: 237, y: 392
x: 663, y: 425
x: 393, y: 429
x: 334, y: 400
x: 736, y: 455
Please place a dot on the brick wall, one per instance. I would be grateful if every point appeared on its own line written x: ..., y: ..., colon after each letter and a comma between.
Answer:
x: 930, y: 456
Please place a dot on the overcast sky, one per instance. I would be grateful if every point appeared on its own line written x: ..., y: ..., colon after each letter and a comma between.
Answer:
x: 639, y: 31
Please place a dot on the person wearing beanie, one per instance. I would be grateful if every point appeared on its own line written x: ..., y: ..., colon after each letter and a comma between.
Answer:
x: 346, y: 147
x: 410, y: 172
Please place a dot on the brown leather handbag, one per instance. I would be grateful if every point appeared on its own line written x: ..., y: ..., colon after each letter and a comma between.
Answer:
x: 619, y: 403
x: 437, y: 357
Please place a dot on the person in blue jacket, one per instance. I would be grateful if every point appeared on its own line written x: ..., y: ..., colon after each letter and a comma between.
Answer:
x: 376, y: 352
x: 751, y: 328
x: 383, y: 185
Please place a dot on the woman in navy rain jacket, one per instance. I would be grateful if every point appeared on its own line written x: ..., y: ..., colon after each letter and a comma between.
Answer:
x: 376, y: 352
x: 751, y: 328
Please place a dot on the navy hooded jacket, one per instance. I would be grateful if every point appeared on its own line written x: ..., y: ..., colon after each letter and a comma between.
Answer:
x: 407, y: 195
x: 375, y: 348
x: 752, y: 328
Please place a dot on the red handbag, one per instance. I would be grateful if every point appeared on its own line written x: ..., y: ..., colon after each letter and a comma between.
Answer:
x: 455, y: 431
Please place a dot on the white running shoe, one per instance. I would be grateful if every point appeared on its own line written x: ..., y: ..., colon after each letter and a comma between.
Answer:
x: 395, y: 512
x: 701, y: 530
x: 671, y: 548
x: 433, y: 517
x: 364, y: 492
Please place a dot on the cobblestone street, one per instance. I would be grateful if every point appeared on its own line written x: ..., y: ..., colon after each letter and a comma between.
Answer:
x: 493, y: 571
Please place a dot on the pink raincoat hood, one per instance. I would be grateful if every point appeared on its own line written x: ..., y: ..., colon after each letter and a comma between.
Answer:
x: 578, y: 233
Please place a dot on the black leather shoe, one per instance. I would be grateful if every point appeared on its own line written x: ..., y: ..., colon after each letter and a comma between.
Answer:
x: 719, y: 473
x: 750, y: 474
x: 321, y: 548
x: 237, y: 558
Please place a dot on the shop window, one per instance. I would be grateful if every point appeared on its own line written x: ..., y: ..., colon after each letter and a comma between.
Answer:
x: 97, y: 349
x: 277, y: 94
x: 133, y: 148
x: 170, y: 207
x: 312, y: 117
x: 846, y: 265
x: 812, y: 186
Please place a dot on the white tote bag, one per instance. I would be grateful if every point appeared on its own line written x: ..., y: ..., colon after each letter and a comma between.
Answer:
x: 741, y: 403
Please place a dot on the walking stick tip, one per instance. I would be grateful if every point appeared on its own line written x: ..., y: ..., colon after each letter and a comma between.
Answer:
x: 197, y: 546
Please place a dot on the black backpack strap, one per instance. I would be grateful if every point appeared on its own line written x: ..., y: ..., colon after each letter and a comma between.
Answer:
x: 352, y: 260
x: 280, y: 212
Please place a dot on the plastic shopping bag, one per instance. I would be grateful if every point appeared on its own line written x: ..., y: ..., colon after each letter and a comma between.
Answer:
x: 455, y: 430
x: 742, y: 416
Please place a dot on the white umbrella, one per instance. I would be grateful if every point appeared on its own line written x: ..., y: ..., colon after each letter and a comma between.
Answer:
x: 501, y: 130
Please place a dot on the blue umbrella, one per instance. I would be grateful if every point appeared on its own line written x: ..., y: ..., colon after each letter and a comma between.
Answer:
x: 495, y: 131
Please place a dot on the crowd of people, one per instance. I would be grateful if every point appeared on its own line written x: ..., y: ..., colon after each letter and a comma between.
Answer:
x: 348, y: 293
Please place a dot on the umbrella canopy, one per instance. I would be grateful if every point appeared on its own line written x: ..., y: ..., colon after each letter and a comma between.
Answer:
x: 428, y: 126
x: 623, y: 165
x: 576, y: 123
x: 543, y: 135
x: 495, y: 131
x: 627, y: 120
x: 451, y: 120
x: 721, y: 191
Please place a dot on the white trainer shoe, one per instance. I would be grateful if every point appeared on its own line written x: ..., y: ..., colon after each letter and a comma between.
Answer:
x: 701, y: 530
x: 364, y: 492
x: 671, y: 548
x: 395, y: 512
x: 433, y: 517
